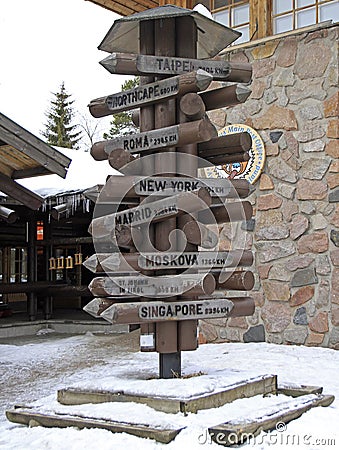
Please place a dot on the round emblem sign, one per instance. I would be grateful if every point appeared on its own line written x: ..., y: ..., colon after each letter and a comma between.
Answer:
x: 251, y: 169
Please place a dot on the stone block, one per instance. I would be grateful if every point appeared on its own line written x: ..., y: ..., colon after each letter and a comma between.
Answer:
x: 302, y: 295
x: 304, y: 277
x: 208, y: 331
x: 276, y: 118
x: 237, y: 322
x: 334, y: 337
x: 333, y: 129
x: 314, y: 339
x: 218, y: 117
x: 331, y: 106
x: 310, y: 112
x: 311, y: 131
x: 332, y: 148
x: 286, y: 52
x: 230, y: 334
x: 298, y: 226
x: 314, y: 146
x: 306, y: 89
x: 323, y: 296
x: 335, y: 316
x: 335, y: 237
x: 268, y: 201
x: 315, y: 168
x: 318, y: 222
x: 322, y: 266
x: 311, y: 190
x: 279, y: 272
x: 258, y: 298
x: 255, y: 334
x: 264, y: 50
x: 296, y: 335
x: 313, y: 243
x: 291, y: 159
x: 299, y: 262
x: 263, y: 271
x: 307, y: 207
x: 286, y: 77
x: 285, y: 190
x: 263, y: 68
x: 334, y: 167
x: 334, y: 219
x: 333, y: 180
x: 312, y: 60
x: 267, y: 218
x: 334, y: 255
x: 258, y: 88
x: 300, y: 316
x: 275, y: 136
x: 269, y: 251
x: 265, y: 183
x: 276, y: 316
x: 269, y: 97
x: 280, y: 170
x: 276, y: 291
x: 272, y: 232
x: 335, y: 286
x: 333, y: 196
x: 272, y: 149
x: 319, y: 324
x: 289, y: 208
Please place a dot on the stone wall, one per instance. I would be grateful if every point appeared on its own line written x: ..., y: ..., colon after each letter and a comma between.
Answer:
x: 294, y: 107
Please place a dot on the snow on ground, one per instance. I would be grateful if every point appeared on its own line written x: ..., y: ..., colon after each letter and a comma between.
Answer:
x: 32, y: 369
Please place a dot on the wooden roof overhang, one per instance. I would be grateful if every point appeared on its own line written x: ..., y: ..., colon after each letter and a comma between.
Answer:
x: 23, y: 155
x: 125, y: 8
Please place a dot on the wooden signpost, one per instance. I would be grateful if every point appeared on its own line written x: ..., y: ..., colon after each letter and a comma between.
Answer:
x: 171, y: 276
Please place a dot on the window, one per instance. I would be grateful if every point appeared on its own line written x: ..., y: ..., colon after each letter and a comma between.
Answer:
x: 293, y: 14
x: 234, y: 14
x: 18, y: 265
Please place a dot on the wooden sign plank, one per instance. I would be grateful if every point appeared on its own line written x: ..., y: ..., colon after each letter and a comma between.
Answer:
x: 156, y: 211
x: 130, y: 187
x: 120, y: 313
x: 123, y: 263
x: 175, y: 135
x: 147, y: 286
x: 149, y: 94
x: 131, y: 64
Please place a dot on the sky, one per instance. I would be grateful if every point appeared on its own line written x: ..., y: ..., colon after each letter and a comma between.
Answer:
x: 44, y: 43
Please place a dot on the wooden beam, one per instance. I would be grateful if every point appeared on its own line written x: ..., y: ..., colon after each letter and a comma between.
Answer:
x: 20, y: 193
x: 261, y: 24
x: 35, y: 148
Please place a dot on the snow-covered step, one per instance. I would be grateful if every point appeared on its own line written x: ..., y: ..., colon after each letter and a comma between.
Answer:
x: 51, y: 419
x: 268, y: 418
x: 202, y: 396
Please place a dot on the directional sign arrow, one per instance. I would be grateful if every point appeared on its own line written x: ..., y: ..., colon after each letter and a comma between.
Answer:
x: 146, y: 286
x: 126, y: 262
x: 147, y: 94
x: 131, y: 64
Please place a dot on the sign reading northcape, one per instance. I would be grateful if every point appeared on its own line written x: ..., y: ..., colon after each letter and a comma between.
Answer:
x: 152, y: 93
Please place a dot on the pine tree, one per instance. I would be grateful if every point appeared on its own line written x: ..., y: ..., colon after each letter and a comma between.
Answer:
x: 59, y: 129
x: 122, y: 123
